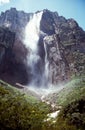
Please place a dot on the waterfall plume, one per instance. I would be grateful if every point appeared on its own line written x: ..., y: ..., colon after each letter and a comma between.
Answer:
x: 32, y: 32
x: 32, y: 35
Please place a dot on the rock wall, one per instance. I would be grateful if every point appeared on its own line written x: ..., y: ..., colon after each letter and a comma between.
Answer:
x: 65, y: 42
x: 63, y: 38
x: 12, y: 68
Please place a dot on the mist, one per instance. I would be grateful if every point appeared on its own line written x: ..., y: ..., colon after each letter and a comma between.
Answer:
x: 31, y: 40
x: 40, y: 83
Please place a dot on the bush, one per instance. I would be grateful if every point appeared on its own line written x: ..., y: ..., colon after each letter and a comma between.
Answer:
x: 18, y: 113
x: 72, y: 116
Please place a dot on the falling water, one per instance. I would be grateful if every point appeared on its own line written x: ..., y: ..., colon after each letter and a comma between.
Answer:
x: 32, y: 35
x: 46, y: 72
x: 34, y: 59
x: 32, y: 32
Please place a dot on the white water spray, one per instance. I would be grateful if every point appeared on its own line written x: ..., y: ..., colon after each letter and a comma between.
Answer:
x: 46, y: 73
x: 32, y: 32
x: 32, y: 35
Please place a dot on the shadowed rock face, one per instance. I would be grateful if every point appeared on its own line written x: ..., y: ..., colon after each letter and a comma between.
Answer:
x: 6, y: 42
x: 62, y: 38
x: 12, y: 51
x: 65, y: 42
x: 14, y: 20
x: 47, y: 23
x: 12, y: 67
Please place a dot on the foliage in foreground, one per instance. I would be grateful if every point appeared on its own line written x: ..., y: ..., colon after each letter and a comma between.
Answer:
x: 73, y: 91
x: 72, y: 117
x: 72, y: 114
x: 16, y: 112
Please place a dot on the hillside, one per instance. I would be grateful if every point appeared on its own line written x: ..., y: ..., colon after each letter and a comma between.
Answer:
x: 72, y: 111
x: 24, y: 109
x: 71, y: 91
x: 20, y: 111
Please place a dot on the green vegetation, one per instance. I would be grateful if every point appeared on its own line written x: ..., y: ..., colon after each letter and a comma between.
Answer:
x: 22, y: 112
x: 72, y: 116
x: 79, y: 62
x: 19, y: 112
x: 73, y: 91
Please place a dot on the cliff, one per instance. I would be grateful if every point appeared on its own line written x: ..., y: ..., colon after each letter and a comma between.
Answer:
x: 64, y: 41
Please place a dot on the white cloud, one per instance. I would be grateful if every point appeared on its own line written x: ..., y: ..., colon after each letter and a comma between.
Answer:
x: 4, y: 1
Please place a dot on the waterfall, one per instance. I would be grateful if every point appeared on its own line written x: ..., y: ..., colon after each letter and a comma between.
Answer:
x: 32, y: 35
x: 46, y: 72
x: 32, y: 32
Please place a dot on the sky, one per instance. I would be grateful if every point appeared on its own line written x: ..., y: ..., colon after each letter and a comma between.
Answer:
x: 67, y: 8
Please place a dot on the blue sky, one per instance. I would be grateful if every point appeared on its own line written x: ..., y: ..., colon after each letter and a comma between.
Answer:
x: 68, y: 8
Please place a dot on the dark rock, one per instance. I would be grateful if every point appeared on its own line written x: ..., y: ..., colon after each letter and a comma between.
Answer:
x: 47, y: 23
x: 57, y: 64
x: 12, y: 67
x: 64, y: 45
x: 15, y: 20
x: 64, y: 41
x: 6, y: 42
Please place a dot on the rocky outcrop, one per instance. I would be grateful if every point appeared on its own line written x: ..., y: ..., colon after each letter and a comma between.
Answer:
x: 65, y: 43
x: 14, y: 20
x: 12, y: 67
x: 63, y: 38
x: 57, y: 65
x: 6, y: 42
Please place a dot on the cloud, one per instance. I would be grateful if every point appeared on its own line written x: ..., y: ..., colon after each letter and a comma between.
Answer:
x: 4, y: 1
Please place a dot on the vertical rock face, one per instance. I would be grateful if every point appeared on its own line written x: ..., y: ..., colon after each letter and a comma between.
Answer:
x: 60, y: 47
x: 57, y: 65
x: 47, y: 23
x: 6, y: 42
x: 14, y: 20
x: 14, y: 69
x: 6, y: 45
x: 65, y: 42
x: 11, y: 69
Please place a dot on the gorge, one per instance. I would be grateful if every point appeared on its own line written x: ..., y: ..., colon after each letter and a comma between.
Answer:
x: 42, y: 71
x: 46, y: 48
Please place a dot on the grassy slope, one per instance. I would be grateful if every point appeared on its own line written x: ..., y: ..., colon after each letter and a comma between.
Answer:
x: 72, y: 100
x: 73, y: 91
x: 31, y: 113
x: 19, y: 111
